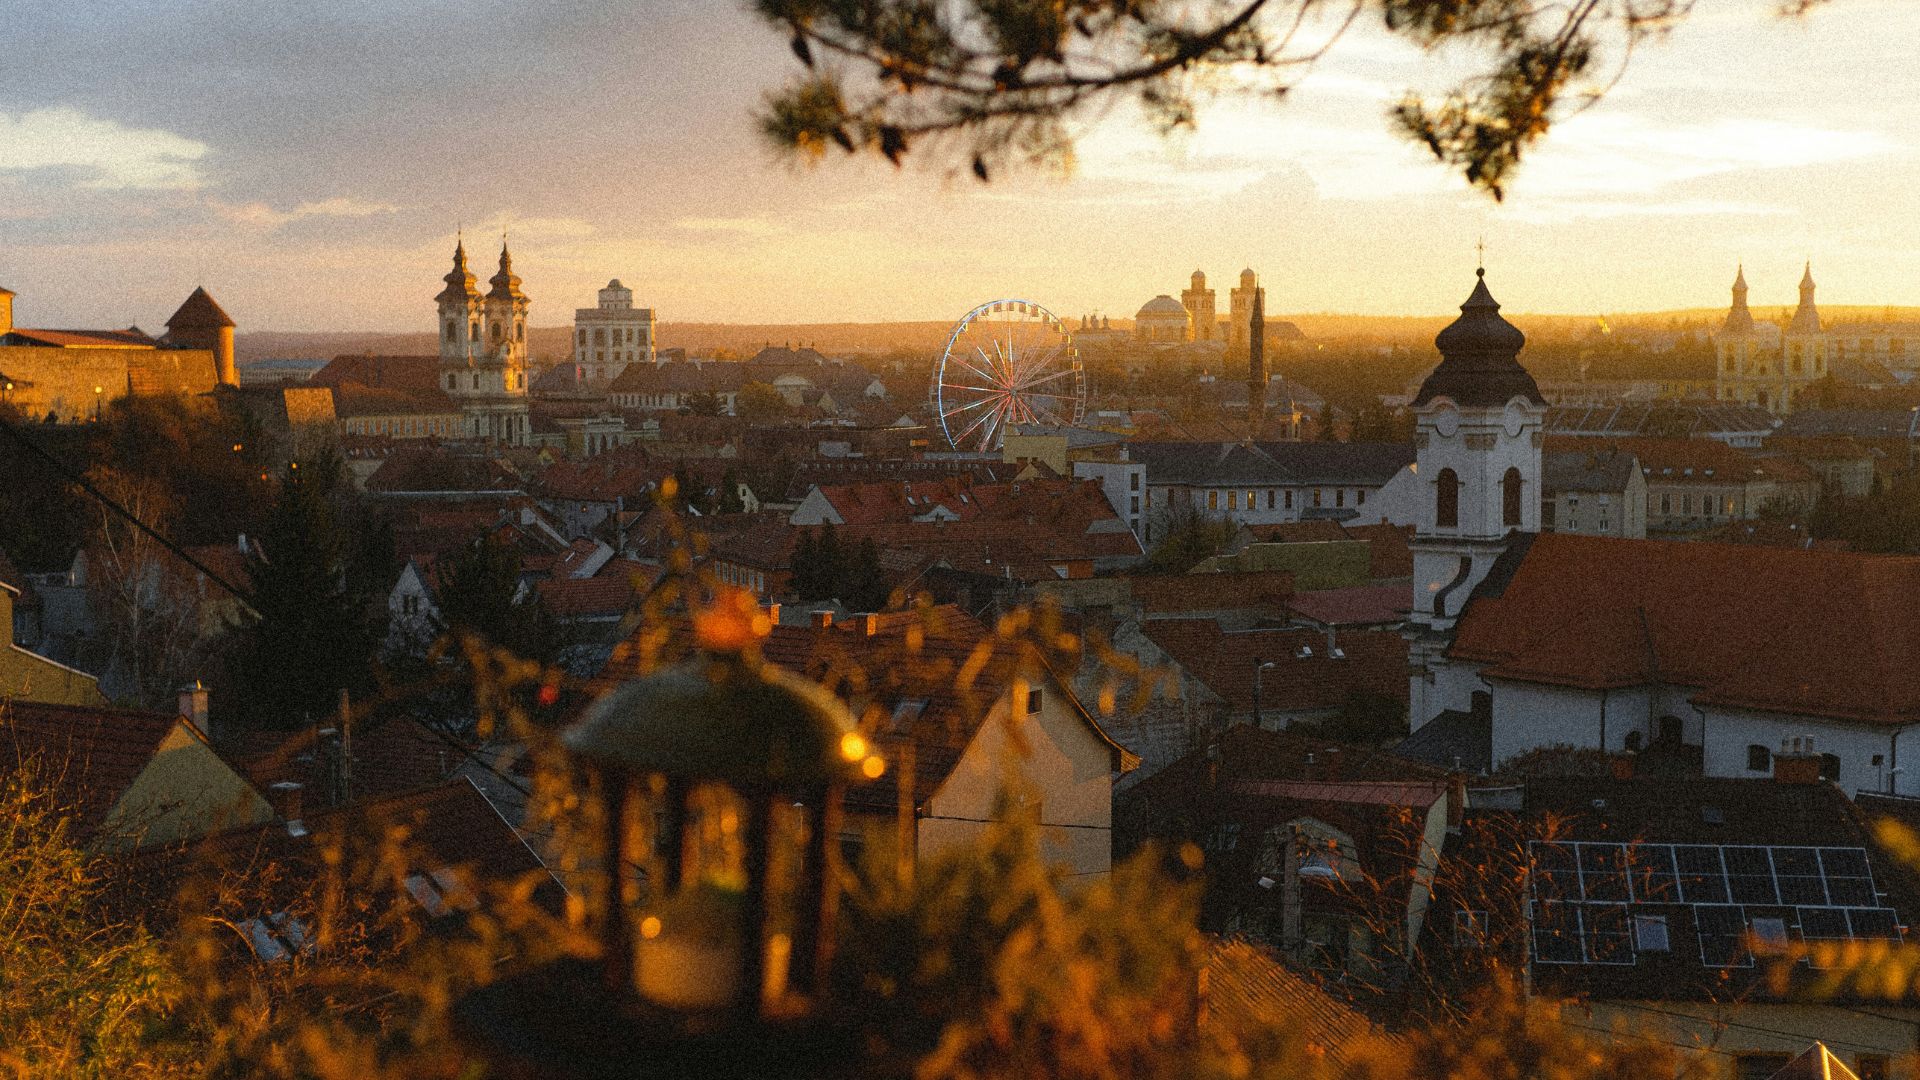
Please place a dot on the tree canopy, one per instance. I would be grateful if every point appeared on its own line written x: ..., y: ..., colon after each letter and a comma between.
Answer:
x: 1001, y: 80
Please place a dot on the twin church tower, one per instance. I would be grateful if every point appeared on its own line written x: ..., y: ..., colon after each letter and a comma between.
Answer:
x: 483, y: 350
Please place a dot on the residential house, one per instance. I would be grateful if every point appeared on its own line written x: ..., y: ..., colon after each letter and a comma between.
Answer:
x: 951, y: 733
x: 28, y: 676
x: 1325, y: 852
x: 1695, y: 484
x: 1845, y: 467
x: 1594, y: 488
x: 1275, y: 678
x: 129, y: 778
x: 1265, y: 482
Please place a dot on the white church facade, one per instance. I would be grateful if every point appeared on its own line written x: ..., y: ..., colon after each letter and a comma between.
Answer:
x: 1704, y: 658
x: 483, y: 350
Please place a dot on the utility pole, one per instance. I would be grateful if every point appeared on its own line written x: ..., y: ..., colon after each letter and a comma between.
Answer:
x: 1259, y: 666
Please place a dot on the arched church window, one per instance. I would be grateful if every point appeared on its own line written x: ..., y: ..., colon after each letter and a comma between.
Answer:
x: 520, y: 331
x: 449, y: 380
x: 1510, y: 485
x: 497, y: 332
x: 476, y: 380
x: 451, y: 333
x: 1446, y: 501
x: 475, y: 332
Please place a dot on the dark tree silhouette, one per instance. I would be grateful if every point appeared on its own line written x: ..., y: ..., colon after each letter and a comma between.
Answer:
x: 1002, y: 79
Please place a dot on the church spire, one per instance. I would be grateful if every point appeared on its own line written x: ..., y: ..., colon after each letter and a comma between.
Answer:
x: 1806, y: 318
x: 1479, y: 357
x: 1739, y: 319
x: 460, y: 285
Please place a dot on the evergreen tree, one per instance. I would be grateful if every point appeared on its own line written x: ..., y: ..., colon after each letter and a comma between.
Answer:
x: 729, y: 501
x: 805, y: 567
x: 311, y: 635
x: 865, y: 586
x: 833, y: 564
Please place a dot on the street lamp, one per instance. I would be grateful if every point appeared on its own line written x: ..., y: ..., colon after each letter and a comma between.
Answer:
x: 1258, y: 667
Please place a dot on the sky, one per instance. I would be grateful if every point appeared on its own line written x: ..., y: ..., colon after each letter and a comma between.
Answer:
x: 310, y: 162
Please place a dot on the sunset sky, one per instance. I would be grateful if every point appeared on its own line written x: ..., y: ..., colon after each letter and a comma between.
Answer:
x: 308, y: 162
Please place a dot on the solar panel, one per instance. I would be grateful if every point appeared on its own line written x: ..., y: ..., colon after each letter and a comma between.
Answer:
x: 1602, y: 903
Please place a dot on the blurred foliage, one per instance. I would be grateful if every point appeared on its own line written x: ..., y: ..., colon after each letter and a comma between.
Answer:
x: 999, y: 82
x: 1186, y: 536
x: 82, y: 993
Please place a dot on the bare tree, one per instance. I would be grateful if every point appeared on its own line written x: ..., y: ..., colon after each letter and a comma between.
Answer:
x: 146, y: 600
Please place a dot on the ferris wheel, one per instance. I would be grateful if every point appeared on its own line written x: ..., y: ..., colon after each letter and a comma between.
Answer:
x: 1006, y: 362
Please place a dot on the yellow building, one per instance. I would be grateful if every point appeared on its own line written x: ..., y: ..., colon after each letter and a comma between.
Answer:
x: 1162, y: 321
x: 1758, y: 366
x: 28, y: 676
x: 1198, y: 300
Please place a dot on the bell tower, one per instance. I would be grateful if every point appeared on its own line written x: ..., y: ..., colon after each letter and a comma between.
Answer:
x: 1478, y: 430
x: 459, y: 326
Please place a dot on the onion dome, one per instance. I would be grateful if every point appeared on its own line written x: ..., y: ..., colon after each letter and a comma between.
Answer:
x: 200, y: 312
x: 460, y: 287
x: 1479, y: 358
x: 506, y: 283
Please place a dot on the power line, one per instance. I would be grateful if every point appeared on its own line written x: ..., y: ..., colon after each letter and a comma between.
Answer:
x: 103, y: 499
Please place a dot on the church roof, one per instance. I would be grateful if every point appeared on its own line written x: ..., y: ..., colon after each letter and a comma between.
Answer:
x: 1479, y: 358
x: 1828, y: 634
x: 198, y: 313
x: 1739, y: 319
x: 1162, y: 305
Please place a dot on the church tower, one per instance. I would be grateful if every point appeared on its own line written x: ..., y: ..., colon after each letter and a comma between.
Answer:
x: 1736, y: 348
x: 1239, y: 312
x: 1198, y: 300
x: 1257, y: 367
x: 483, y: 350
x: 1478, y: 430
x: 1803, y: 351
x: 459, y: 306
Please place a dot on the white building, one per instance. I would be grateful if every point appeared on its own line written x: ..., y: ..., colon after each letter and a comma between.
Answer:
x: 1709, y: 657
x: 612, y: 335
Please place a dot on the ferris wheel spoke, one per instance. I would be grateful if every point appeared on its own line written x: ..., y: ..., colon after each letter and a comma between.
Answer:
x: 957, y: 413
x: 980, y: 389
x: 1037, y: 360
x: 1041, y: 380
x: 971, y: 428
x: 960, y: 359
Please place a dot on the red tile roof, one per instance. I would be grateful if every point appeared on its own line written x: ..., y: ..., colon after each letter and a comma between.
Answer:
x: 87, y: 756
x: 1708, y: 461
x: 1231, y: 591
x: 411, y: 374
x: 1361, y: 605
x: 1375, y: 662
x: 1387, y: 544
x: 1813, y: 633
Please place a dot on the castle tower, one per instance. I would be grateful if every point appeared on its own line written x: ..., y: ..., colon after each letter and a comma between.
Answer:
x: 1239, y: 312
x: 1198, y: 300
x: 1478, y: 423
x: 201, y: 324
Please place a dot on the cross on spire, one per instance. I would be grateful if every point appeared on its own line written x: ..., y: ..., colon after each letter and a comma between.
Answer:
x: 1480, y: 256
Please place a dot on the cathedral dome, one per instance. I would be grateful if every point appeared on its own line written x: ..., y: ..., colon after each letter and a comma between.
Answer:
x: 1479, y: 358
x: 1161, y: 305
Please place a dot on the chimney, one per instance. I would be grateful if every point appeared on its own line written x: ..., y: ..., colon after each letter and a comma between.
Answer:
x: 773, y: 614
x: 821, y: 619
x: 285, y: 799
x: 1796, y: 763
x: 869, y: 623
x: 193, y: 707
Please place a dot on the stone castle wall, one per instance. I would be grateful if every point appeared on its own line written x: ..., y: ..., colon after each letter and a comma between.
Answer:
x: 62, y: 381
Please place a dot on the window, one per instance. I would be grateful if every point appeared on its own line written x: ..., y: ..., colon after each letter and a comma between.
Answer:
x: 1136, y: 504
x: 1446, y: 508
x: 1666, y: 504
x: 451, y: 333
x: 1759, y: 759
x: 498, y: 333
x: 600, y: 337
x: 1233, y: 500
x: 1360, y: 497
x: 1650, y: 934
x: 1316, y: 496
x: 1870, y: 1066
x: 520, y: 331
x: 1133, y: 482
x: 1269, y: 498
x: 583, y: 337
x: 1213, y: 500
x: 1510, y: 485
x: 1289, y: 500
x: 1339, y: 496
x: 1033, y: 700
x: 1251, y: 500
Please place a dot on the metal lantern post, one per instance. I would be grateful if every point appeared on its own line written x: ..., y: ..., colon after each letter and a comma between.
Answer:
x: 724, y: 719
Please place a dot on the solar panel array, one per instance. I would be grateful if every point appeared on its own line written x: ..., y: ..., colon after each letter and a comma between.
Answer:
x: 1610, y: 903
